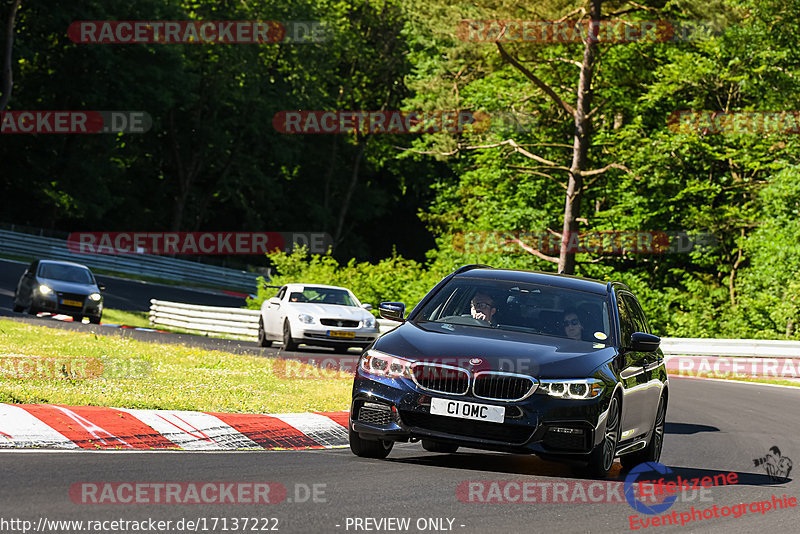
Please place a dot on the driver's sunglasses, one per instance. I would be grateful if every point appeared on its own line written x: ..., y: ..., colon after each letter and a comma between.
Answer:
x: 482, y: 306
x: 572, y: 322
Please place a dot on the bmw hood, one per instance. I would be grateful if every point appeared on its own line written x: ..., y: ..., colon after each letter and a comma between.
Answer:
x: 479, y: 348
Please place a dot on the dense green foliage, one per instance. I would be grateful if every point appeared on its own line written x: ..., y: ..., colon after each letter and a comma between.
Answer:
x: 213, y: 161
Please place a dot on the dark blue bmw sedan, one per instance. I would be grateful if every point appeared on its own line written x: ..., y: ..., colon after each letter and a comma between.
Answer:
x: 515, y: 361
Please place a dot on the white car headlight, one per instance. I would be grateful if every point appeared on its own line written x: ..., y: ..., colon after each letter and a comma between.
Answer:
x: 95, y: 297
x: 382, y: 364
x: 581, y: 388
x: 369, y: 322
x: 306, y: 318
x: 45, y: 290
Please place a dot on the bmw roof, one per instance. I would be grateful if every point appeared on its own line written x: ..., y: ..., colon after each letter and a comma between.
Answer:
x: 535, y: 277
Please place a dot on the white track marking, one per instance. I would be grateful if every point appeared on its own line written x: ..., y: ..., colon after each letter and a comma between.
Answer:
x: 193, y: 430
x: 321, y: 429
x: 19, y: 428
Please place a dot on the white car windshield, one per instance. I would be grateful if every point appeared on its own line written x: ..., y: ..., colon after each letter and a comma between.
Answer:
x: 322, y: 295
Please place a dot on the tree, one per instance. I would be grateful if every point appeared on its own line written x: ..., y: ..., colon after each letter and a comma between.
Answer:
x: 8, y: 75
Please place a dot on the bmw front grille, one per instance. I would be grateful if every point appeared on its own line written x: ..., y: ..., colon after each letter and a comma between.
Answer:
x: 440, y: 378
x: 497, y: 385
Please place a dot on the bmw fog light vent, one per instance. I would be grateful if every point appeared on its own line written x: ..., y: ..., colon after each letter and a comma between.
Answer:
x: 375, y: 414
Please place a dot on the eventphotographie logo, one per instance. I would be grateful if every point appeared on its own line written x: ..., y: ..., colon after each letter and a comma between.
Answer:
x: 777, y: 466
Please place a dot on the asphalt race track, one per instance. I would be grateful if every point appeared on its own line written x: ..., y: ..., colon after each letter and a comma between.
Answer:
x: 712, y: 428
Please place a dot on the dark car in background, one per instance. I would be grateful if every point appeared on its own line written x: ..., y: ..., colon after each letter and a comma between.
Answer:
x: 59, y: 287
x: 520, y: 362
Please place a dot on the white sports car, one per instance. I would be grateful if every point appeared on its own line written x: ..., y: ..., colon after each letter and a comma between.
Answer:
x: 326, y: 316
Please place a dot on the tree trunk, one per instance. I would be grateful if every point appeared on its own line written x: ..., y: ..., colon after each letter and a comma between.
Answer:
x: 328, y: 178
x: 186, y: 176
x: 580, y: 145
x: 337, y: 237
x: 8, y: 73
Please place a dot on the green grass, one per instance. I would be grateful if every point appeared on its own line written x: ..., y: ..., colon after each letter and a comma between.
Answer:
x: 127, y: 318
x: 142, y: 319
x: 97, y: 370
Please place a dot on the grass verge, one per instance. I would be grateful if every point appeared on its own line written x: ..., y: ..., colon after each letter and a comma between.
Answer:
x: 53, y: 366
x: 142, y: 319
x: 127, y: 318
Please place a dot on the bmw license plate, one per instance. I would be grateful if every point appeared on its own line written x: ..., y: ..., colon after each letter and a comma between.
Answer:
x: 468, y: 410
x: 75, y: 303
x: 341, y: 333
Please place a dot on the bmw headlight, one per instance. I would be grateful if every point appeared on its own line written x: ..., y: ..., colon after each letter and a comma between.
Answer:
x: 369, y: 322
x: 306, y: 318
x: 581, y: 388
x: 45, y: 290
x: 382, y: 364
x: 95, y: 297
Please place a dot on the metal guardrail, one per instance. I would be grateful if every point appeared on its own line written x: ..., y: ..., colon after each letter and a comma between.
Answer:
x: 244, y: 323
x: 166, y: 268
x: 751, y: 348
x: 238, y: 323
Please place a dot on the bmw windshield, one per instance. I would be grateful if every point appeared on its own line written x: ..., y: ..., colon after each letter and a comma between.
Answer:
x: 520, y: 307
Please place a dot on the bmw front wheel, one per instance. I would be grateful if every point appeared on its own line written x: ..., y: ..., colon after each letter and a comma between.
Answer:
x: 367, y: 448
x: 602, y: 457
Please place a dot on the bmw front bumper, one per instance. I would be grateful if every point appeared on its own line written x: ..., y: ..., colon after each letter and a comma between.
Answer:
x: 397, y: 409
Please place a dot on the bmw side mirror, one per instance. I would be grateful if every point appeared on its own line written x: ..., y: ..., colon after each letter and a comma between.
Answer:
x: 367, y: 307
x: 275, y: 300
x: 394, y: 311
x: 641, y: 342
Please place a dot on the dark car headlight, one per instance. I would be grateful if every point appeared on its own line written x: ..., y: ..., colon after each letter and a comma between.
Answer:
x: 386, y: 365
x: 95, y: 297
x: 580, y: 388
